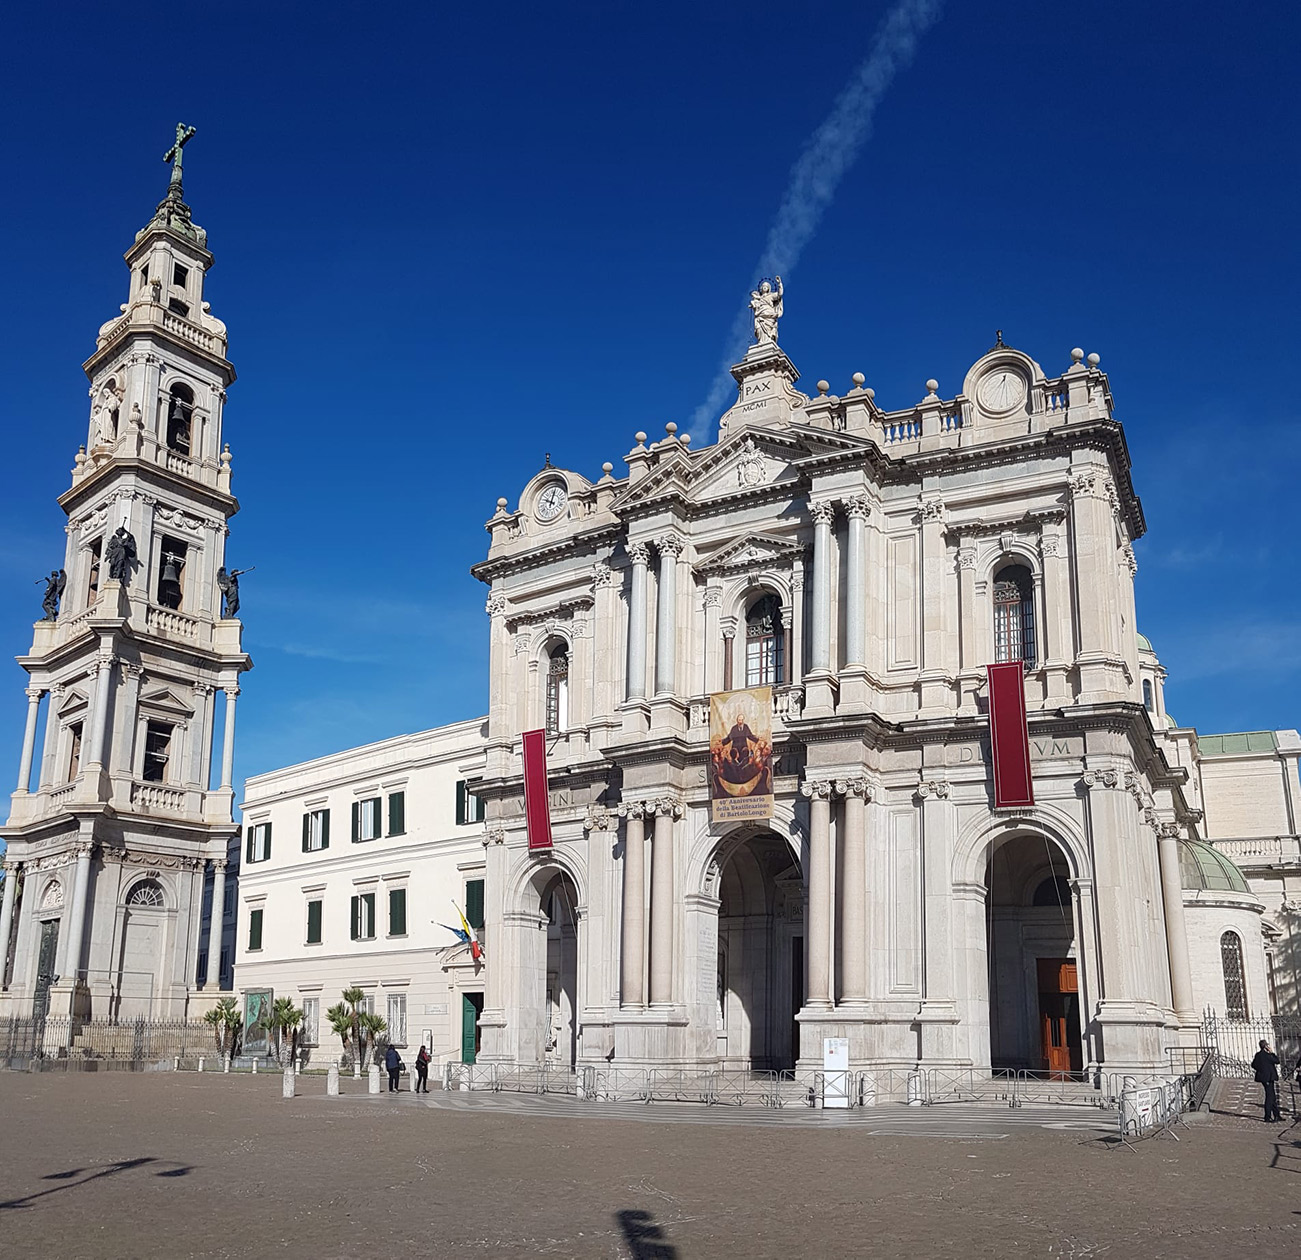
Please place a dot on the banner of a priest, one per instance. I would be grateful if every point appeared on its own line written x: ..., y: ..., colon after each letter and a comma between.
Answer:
x: 740, y: 753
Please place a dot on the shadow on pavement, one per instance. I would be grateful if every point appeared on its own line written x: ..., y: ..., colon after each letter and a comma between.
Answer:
x: 110, y: 1170
x: 644, y: 1237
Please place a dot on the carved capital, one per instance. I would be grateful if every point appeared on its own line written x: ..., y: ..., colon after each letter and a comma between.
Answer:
x: 1128, y: 559
x: 931, y: 510
x: 822, y: 513
x: 1100, y: 778
x: 639, y: 553
x: 857, y: 786
x: 713, y: 597
x: 669, y: 545
x: 493, y: 834
x: 601, y: 575
x: 1050, y: 545
x: 669, y: 805
x: 937, y: 788
x: 632, y: 809
x: 496, y: 605
x: 858, y: 507
x: 33, y: 694
x: 232, y: 692
x: 819, y: 789
x: 1168, y: 830
x: 599, y: 818
x: 218, y: 866
x: 966, y: 558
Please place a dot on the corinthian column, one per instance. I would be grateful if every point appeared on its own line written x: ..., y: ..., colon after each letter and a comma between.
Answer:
x: 855, y: 612
x: 99, y: 714
x: 818, y: 793
x: 666, y: 625
x: 228, y: 739
x: 213, y: 979
x: 1176, y: 934
x: 77, y: 915
x: 632, y: 950
x: 7, y: 919
x: 668, y: 809
x: 639, y: 555
x: 29, y: 737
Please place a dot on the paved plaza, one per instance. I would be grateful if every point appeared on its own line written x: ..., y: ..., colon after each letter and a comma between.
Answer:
x: 182, y: 1165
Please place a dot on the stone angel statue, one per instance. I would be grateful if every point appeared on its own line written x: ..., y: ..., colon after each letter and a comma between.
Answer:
x: 121, y: 555
x: 766, y: 303
x: 228, y: 584
x: 54, y: 587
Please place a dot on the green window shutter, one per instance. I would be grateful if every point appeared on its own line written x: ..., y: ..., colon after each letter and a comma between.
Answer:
x: 255, y: 929
x: 307, y: 830
x: 356, y: 821
x: 369, y: 899
x: 325, y: 828
x: 268, y: 844
x: 474, y: 902
x: 397, y: 911
x: 313, y: 922
x: 397, y: 807
x: 355, y: 930
x: 460, y: 802
x: 248, y: 844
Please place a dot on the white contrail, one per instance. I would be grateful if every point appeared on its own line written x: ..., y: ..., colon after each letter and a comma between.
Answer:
x: 829, y: 153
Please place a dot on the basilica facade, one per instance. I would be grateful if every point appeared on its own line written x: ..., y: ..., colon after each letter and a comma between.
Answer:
x: 864, y: 566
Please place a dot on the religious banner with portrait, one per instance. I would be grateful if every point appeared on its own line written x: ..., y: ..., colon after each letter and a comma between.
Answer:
x: 740, y: 754
x: 257, y: 1015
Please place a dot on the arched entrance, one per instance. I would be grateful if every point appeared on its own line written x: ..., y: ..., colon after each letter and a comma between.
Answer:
x: 760, y: 954
x: 549, y: 1000
x: 1034, y: 990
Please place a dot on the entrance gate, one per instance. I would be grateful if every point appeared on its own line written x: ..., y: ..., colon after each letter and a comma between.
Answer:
x: 45, y: 967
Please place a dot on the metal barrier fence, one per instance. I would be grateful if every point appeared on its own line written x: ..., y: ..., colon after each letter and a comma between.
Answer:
x: 23, y: 1039
x: 1151, y: 1110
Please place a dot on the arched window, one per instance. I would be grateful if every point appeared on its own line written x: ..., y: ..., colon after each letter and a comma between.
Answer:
x: 765, y: 643
x: 180, y: 410
x: 557, y: 689
x: 146, y: 893
x: 1014, y: 615
x: 1235, y: 980
x: 1147, y: 694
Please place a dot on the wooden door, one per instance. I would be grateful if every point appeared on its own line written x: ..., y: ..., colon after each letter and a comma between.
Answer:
x: 49, y: 948
x: 1059, y: 1015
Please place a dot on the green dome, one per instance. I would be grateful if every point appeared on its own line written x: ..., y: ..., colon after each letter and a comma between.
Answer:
x: 1146, y: 644
x: 1201, y: 866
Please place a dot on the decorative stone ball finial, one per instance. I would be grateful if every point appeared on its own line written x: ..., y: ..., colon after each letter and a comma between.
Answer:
x: 823, y: 386
x: 931, y: 386
x: 639, y: 438
x: 1077, y: 355
x: 1094, y: 360
x: 871, y: 393
x: 607, y: 468
x: 501, y: 504
x: 671, y: 429
x: 685, y: 439
x: 858, y: 378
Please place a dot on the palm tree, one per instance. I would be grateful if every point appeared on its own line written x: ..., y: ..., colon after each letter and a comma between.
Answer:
x: 224, y: 1019
x: 375, y: 1026
x: 339, y: 1018
x: 284, y: 1022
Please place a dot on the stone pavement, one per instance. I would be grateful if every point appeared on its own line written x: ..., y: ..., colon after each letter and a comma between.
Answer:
x: 177, y: 1165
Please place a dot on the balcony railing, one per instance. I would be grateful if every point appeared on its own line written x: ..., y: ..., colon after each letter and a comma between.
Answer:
x: 158, y: 798
x: 1261, y: 850
x: 168, y: 621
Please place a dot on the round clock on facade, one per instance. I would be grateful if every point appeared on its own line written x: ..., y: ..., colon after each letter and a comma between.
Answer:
x: 1002, y: 390
x: 551, y: 502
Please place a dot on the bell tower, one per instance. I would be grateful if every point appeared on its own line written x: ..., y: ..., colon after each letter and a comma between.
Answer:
x: 118, y: 816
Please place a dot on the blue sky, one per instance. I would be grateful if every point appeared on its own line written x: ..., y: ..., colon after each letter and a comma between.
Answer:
x: 450, y: 239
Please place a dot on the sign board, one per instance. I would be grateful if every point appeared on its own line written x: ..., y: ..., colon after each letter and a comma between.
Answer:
x: 835, y: 1071
x: 740, y: 755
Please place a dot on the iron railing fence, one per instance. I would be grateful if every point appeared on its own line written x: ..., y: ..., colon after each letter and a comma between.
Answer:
x: 137, y: 1040
x: 1236, y: 1041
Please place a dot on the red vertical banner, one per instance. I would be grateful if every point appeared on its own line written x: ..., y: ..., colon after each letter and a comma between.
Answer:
x: 1009, y: 736
x: 537, y: 803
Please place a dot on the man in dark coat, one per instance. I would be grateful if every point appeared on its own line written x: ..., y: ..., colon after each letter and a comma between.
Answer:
x: 1265, y: 1066
x: 393, y: 1062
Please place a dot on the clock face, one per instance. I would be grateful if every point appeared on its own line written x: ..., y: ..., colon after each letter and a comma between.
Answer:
x: 1002, y: 390
x: 551, y: 502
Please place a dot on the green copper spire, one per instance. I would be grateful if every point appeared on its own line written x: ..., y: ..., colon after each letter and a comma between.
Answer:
x: 172, y: 213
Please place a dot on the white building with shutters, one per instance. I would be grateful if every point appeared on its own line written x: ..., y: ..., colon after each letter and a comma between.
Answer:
x: 353, y: 869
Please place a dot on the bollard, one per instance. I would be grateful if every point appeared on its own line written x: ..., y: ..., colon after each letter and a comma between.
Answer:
x: 176, y: 1064
x: 914, y: 1089
x: 201, y: 1062
x: 254, y: 1067
x: 332, y: 1081
x: 415, y: 1079
x: 225, y: 1063
x: 374, y: 1078
x: 287, y: 1084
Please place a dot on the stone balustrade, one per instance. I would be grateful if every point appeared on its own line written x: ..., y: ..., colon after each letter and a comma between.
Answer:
x: 158, y: 798
x: 169, y: 622
x: 1261, y: 850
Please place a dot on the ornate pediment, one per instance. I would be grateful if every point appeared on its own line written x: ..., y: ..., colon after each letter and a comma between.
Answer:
x: 754, y: 551
x: 165, y: 701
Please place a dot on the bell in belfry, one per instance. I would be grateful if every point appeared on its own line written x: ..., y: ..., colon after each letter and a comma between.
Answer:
x: 171, y: 571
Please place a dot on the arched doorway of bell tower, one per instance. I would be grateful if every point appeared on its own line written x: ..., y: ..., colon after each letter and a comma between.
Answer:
x: 549, y: 1000
x: 760, y: 985
x: 1035, y: 1015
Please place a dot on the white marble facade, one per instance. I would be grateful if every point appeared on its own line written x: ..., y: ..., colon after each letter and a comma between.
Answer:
x: 887, y: 901
x: 124, y: 811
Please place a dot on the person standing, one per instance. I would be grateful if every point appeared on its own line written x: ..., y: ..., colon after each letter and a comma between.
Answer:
x: 393, y: 1062
x: 1265, y: 1066
x: 422, y: 1071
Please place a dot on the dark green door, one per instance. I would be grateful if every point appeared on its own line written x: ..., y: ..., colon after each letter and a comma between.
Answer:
x: 45, y: 967
x: 471, y: 1009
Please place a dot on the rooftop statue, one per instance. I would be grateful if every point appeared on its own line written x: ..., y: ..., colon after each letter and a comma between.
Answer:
x: 228, y: 584
x: 766, y: 303
x: 54, y: 586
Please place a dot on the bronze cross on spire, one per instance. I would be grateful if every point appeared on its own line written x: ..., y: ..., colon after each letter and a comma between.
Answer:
x: 184, y: 135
